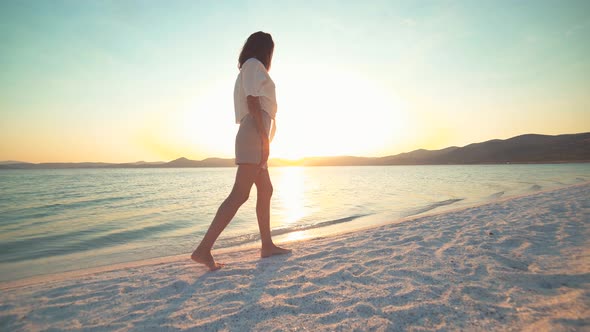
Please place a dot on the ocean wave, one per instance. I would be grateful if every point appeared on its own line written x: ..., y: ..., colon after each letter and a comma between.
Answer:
x: 41, y: 211
x: 252, y: 237
x: 496, y: 195
x: 432, y: 206
x: 73, y: 242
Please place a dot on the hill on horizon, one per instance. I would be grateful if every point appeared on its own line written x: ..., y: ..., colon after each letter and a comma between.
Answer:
x: 528, y: 148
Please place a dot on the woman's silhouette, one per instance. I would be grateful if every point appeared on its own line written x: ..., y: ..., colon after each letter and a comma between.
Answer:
x: 255, y: 107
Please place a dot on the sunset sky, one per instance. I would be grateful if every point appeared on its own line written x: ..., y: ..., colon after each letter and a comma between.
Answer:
x: 122, y: 81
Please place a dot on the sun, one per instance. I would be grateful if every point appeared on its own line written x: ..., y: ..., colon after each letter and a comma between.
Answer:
x: 336, y: 112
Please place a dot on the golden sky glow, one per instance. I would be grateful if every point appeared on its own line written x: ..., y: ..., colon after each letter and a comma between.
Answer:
x: 98, y: 81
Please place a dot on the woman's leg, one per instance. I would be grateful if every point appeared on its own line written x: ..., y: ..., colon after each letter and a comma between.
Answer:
x: 263, y: 195
x: 245, y: 177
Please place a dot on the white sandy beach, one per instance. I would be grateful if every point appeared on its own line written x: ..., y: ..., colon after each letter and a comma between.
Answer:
x: 517, y: 264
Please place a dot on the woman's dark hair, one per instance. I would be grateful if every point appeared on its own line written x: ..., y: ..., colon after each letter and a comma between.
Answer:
x: 260, y: 46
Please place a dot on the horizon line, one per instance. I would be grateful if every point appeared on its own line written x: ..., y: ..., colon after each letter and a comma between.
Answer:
x: 279, y: 158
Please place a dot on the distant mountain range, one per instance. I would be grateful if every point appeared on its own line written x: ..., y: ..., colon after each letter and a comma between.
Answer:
x: 531, y: 148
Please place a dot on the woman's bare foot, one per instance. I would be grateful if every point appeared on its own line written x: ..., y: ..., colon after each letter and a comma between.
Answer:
x: 273, y: 250
x: 206, y: 259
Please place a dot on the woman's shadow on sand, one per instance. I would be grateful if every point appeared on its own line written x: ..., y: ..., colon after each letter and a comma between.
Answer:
x: 236, y: 282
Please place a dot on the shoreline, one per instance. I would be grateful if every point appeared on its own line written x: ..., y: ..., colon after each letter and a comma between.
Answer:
x: 250, y: 246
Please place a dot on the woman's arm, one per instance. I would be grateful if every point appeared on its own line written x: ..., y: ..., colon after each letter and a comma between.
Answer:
x: 255, y: 109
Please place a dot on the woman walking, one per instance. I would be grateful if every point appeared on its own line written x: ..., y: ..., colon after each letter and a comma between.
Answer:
x: 255, y: 107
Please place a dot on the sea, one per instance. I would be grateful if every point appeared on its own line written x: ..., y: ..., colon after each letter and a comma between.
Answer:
x: 57, y: 220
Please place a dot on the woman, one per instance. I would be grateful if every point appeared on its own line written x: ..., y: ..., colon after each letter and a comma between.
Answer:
x: 255, y: 107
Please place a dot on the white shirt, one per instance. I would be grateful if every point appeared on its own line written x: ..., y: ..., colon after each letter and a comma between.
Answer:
x: 253, y: 80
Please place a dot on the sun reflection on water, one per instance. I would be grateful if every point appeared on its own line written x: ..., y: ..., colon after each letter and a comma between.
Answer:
x: 296, y: 236
x: 290, y: 193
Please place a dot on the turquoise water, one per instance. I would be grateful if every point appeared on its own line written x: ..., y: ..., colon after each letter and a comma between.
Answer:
x: 60, y: 220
